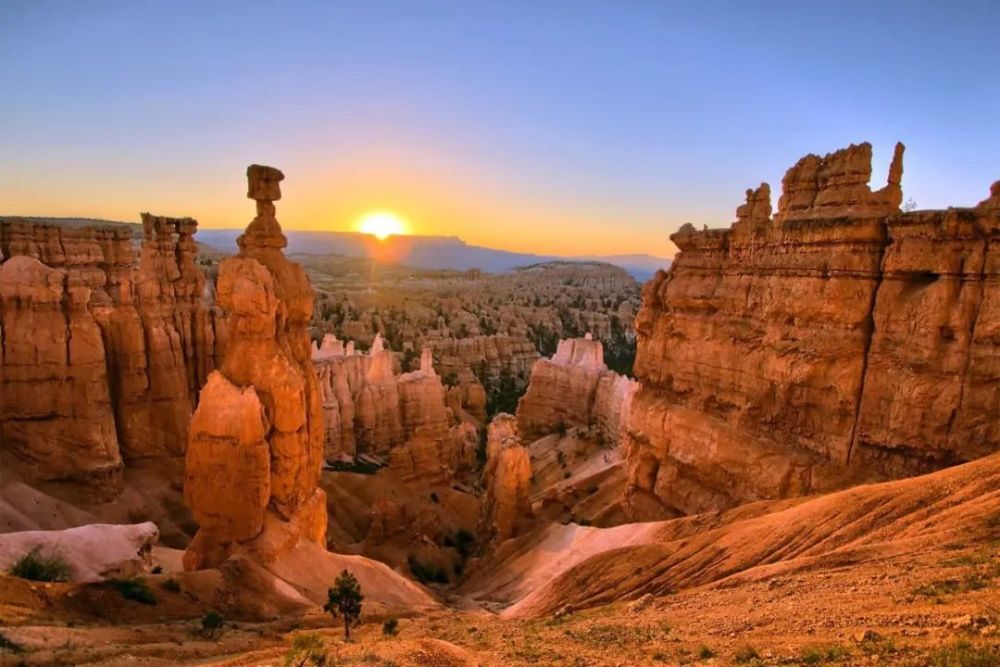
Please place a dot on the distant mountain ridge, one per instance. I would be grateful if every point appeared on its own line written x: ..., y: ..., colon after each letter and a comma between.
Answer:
x: 422, y: 252
x: 432, y: 252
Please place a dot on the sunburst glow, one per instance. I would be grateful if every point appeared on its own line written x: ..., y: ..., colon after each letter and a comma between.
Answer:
x: 382, y: 224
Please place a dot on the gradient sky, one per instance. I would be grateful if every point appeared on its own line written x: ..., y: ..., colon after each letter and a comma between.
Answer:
x: 566, y: 127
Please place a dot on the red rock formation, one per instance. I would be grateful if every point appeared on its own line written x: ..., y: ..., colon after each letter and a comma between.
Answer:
x: 575, y: 388
x: 790, y: 355
x: 467, y: 398
x: 163, y: 343
x: 256, y: 443
x: 507, y: 478
x: 489, y: 356
x: 932, y: 381
x: 360, y: 399
x: 55, y: 410
x: 369, y: 410
x: 156, y: 334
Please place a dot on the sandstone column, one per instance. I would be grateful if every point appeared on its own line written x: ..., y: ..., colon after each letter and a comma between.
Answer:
x: 256, y: 442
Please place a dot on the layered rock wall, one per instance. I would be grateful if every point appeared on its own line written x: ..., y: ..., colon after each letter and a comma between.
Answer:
x: 137, y: 338
x: 487, y: 356
x: 406, y: 418
x: 825, y: 344
x: 360, y: 399
x: 575, y: 388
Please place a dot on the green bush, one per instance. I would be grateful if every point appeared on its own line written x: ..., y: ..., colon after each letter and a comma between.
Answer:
x: 705, y: 653
x: 306, y: 649
x: 136, y: 590
x: 171, y: 586
x: 391, y: 627
x: 36, y: 567
x: 9, y: 645
x: 424, y: 573
x: 964, y: 654
x: 464, y: 542
x: 212, y: 622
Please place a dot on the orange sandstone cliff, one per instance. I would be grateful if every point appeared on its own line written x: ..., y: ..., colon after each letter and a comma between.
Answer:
x: 837, y: 340
x: 102, y: 356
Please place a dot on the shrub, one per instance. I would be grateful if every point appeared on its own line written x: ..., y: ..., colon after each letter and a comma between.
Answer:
x: 359, y: 466
x: 171, y: 586
x: 705, y: 653
x: 464, y: 542
x: 37, y: 567
x: 391, y: 627
x: 9, y: 645
x: 964, y: 654
x: 133, y: 589
x: 424, y: 573
x: 746, y: 655
x: 212, y: 622
x: 306, y: 649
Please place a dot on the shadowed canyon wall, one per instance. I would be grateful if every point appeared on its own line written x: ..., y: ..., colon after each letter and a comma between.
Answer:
x: 102, y: 356
x: 834, y: 341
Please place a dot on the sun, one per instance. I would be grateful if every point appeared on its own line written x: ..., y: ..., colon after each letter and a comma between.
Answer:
x: 381, y: 224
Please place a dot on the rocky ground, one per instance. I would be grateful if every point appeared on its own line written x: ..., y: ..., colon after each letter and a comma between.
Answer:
x: 940, y: 607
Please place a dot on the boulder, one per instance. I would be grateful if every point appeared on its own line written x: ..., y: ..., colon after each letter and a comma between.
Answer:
x: 94, y: 552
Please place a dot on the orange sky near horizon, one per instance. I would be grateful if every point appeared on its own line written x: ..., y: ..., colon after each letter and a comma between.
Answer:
x: 335, y: 199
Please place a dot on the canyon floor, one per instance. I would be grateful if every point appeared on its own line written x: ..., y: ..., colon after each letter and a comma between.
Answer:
x: 881, y: 574
x: 904, y: 610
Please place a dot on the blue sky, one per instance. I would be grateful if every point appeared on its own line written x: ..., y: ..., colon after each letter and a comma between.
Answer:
x: 571, y: 127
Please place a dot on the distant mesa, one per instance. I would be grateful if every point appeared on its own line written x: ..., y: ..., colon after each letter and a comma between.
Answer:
x: 431, y: 252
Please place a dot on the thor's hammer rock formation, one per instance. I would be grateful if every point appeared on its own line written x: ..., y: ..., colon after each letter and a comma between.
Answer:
x: 256, y: 445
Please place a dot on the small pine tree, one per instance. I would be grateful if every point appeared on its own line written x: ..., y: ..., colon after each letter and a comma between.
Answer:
x: 344, y: 600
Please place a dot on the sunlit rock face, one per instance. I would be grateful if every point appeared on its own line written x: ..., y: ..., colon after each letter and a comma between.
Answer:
x: 822, y: 345
x: 406, y: 418
x: 256, y: 445
x: 575, y: 388
x: 359, y: 397
x: 138, y: 339
x: 507, y: 481
x: 55, y: 407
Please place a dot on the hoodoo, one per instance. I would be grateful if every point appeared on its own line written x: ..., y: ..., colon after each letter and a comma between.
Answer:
x: 256, y: 444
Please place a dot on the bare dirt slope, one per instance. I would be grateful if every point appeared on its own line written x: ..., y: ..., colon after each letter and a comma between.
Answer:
x: 575, y: 567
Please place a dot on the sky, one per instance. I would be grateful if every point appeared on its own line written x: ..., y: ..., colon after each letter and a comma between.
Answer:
x: 566, y: 127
